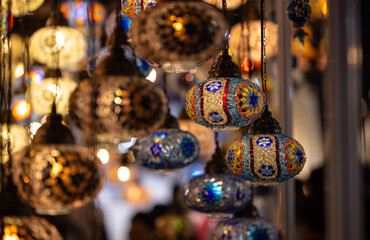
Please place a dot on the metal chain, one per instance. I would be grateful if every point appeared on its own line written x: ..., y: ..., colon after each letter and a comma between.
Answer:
x: 263, y: 47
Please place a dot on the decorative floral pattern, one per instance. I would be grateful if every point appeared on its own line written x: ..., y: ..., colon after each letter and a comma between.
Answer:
x: 215, y: 117
x: 266, y: 170
x: 264, y: 142
x: 249, y: 100
x: 214, y: 86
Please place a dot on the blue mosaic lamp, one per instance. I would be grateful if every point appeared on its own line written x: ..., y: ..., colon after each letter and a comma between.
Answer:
x: 265, y: 155
x: 217, y: 193
x: 225, y: 100
x: 299, y: 12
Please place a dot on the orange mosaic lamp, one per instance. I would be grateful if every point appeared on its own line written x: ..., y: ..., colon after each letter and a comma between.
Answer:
x: 225, y: 100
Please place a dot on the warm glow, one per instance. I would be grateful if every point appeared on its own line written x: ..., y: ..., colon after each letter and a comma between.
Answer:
x: 10, y: 233
x: 135, y: 193
x: 123, y: 173
x: 152, y: 76
x: 103, y: 155
x: 19, y: 70
x: 33, y: 128
x: 21, y: 110
x: 177, y: 26
x: 247, y: 65
x: 56, y: 169
x: 324, y: 8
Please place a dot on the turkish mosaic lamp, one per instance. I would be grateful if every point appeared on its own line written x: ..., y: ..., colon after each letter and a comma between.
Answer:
x: 54, y: 175
x: 299, y: 12
x: 132, y: 8
x: 178, y: 35
x: 6, y: 21
x: 225, y: 100
x: 118, y: 101
x: 265, y: 155
x: 216, y: 192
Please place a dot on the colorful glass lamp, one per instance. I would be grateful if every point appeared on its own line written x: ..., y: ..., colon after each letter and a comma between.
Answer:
x: 21, y: 8
x: 265, y: 155
x: 178, y: 35
x: 225, y: 100
x: 132, y: 8
x: 217, y: 193
x: 6, y: 21
x: 55, y: 175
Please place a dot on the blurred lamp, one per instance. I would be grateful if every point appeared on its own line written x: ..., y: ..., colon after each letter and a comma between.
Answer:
x: 17, y: 138
x: 21, y: 109
x: 6, y: 21
x: 131, y: 8
x: 231, y: 4
x: 22, y: 7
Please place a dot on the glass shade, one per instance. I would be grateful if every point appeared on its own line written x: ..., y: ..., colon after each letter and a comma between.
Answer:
x: 231, y: 4
x: 174, y: 226
x: 6, y: 21
x: 219, y: 195
x: 239, y: 36
x: 166, y: 149
x: 30, y: 227
x: 178, y: 35
x: 204, y: 135
x: 245, y: 229
x: 22, y: 7
x: 266, y: 158
x: 42, y: 94
x: 70, y: 43
x: 54, y: 178
x: 223, y: 103
x: 128, y: 106
x: 131, y: 8
x: 17, y: 138
x: 76, y: 13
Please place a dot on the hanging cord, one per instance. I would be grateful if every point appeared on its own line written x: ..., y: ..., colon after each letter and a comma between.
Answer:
x: 55, y: 51
x: 263, y: 47
x: 224, y: 9
x: 90, y: 11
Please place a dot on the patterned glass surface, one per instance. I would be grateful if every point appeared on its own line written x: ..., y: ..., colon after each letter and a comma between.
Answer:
x: 178, y: 35
x: 245, y: 229
x: 222, y: 103
x: 118, y: 105
x: 217, y: 193
x: 166, y: 149
x: 6, y: 21
x: 17, y: 138
x: 31, y: 227
x: 55, y: 178
x: 131, y: 8
x: 266, y: 157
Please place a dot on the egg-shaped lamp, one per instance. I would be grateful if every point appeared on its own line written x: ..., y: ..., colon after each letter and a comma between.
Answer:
x: 53, y: 86
x: 21, y: 8
x: 252, y: 33
x: 178, y: 35
x: 54, y: 175
x: 225, y: 100
x: 265, y: 155
x: 245, y: 229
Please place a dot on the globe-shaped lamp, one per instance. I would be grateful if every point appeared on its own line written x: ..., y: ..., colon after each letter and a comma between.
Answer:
x: 245, y: 229
x: 178, y: 35
x: 20, y: 8
x: 217, y: 193
x: 225, y: 100
x: 27, y: 227
x: 252, y: 33
x: 55, y: 175
x: 53, y: 85
x: 265, y: 155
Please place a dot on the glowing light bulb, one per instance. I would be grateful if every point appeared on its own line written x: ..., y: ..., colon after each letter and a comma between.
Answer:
x: 32, y: 128
x: 21, y: 110
x: 103, y: 155
x: 19, y: 70
x: 152, y: 76
x: 123, y: 173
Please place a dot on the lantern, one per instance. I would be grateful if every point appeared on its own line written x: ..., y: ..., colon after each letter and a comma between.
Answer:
x: 178, y: 35
x: 27, y: 227
x: 216, y: 192
x: 265, y: 155
x: 252, y: 33
x: 21, y: 8
x: 55, y: 175
x: 53, y: 86
x: 131, y: 8
x: 245, y: 229
x: 225, y: 100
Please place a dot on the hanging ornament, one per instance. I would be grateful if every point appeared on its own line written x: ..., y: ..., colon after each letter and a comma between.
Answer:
x: 299, y: 11
x: 77, y: 13
x: 178, y: 35
x: 252, y: 36
x: 55, y: 175
x: 21, y: 8
x: 132, y: 8
x: 6, y: 21
x: 167, y: 148
x: 53, y: 85
x: 118, y: 101
x: 216, y: 192
x: 69, y: 43
x: 225, y: 100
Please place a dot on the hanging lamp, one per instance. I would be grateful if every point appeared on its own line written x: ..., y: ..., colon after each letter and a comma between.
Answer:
x: 178, y: 35
x: 69, y: 43
x: 167, y: 148
x: 265, y: 155
x: 216, y: 192
x: 118, y: 100
x: 21, y: 8
x: 299, y: 12
x: 132, y: 8
x: 6, y: 21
